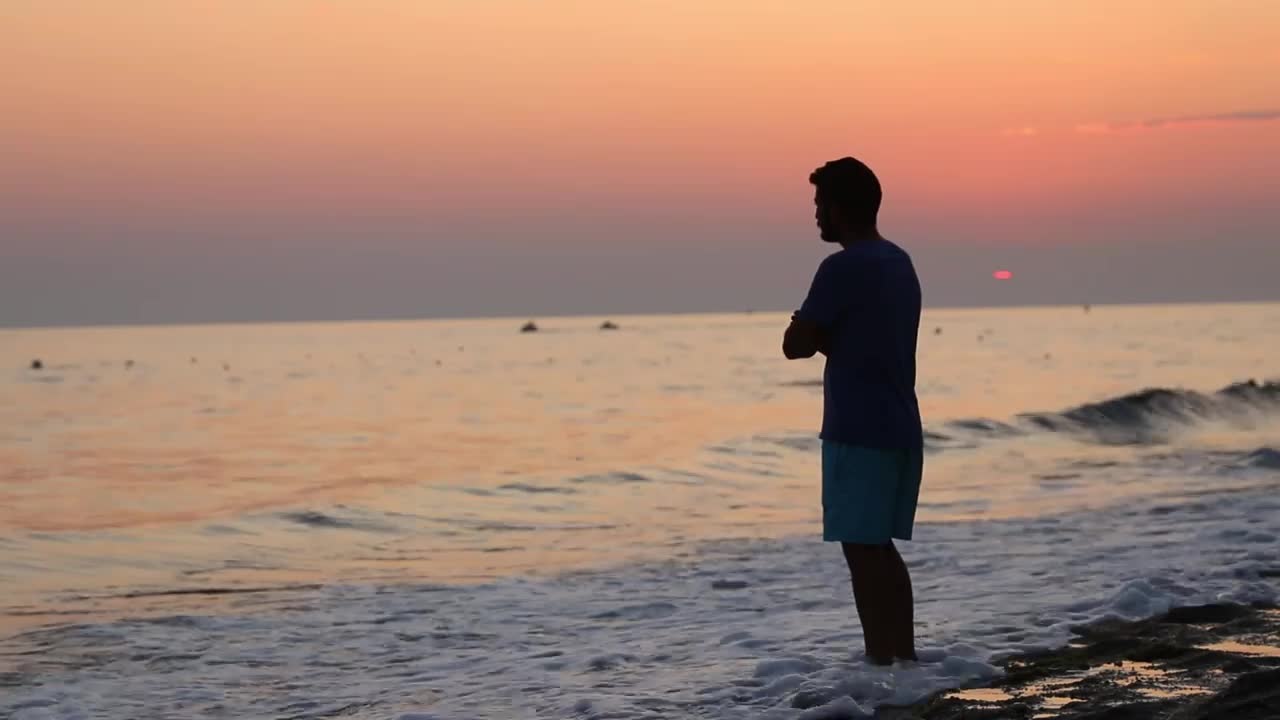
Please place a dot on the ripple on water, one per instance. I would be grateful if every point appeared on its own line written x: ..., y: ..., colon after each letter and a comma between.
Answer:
x: 319, y: 520
x: 613, y: 478
x: 538, y: 489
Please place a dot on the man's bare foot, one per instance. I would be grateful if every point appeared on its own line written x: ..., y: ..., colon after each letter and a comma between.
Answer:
x: 881, y: 660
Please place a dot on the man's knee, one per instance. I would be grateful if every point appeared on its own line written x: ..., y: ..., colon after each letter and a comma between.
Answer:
x: 862, y: 554
x: 851, y: 548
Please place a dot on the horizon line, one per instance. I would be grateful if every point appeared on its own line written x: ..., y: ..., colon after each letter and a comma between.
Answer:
x: 526, y: 318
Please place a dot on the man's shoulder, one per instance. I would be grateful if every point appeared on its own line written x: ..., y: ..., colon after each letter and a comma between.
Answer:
x: 864, y: 253
x: 897, y: 249
x: 845, y: 266
x: 838, y: 261
x: 889, y: 250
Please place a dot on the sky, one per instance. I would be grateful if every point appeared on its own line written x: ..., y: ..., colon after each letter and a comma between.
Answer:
x: 241, y: 160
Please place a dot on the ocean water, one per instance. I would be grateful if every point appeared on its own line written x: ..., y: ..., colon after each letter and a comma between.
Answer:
x: 451, y: 519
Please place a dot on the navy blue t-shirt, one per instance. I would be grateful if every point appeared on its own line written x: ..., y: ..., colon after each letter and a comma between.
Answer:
x: 866, y: 299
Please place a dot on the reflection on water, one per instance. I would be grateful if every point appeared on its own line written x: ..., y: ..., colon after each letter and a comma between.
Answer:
x: 1145, y: 679
x: 1240, y: 648
x: 981, y: 695
x: 218, y: 456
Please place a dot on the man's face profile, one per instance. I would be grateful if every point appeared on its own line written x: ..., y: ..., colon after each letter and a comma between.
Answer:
x: 822, y: 213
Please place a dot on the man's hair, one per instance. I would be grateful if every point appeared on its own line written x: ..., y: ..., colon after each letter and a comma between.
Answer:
x: 849, y: 184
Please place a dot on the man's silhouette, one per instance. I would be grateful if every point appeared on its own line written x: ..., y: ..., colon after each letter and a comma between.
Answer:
x: 863, y: 313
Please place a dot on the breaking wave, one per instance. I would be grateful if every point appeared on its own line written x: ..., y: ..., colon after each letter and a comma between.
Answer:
x: 1145, y: 417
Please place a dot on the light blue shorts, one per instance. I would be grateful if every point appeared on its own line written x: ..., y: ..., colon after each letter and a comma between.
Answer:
x: 869, y: 494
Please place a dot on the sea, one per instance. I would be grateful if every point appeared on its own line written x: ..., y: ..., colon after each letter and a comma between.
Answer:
x: 454, y: 519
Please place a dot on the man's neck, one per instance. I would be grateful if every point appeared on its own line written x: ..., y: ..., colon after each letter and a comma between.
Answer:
x: 854, y: 237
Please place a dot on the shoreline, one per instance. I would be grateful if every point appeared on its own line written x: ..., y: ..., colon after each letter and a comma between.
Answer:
x: 1203, y: 662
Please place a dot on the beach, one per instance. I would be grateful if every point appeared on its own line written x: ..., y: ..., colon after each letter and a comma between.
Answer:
x: 1208, y: 662
x: 453, y: 519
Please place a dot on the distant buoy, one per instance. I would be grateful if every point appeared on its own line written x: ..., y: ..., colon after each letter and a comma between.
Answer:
x: 128, y: 363
x: 37, y: 365
x: 608, y: 325
x: 937, y: 331
x: 529, y: 327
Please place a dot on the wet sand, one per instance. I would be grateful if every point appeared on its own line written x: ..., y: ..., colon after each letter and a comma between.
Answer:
x: 1211, y: 662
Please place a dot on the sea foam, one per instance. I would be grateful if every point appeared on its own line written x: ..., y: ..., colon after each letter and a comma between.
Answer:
x: 745, y: 628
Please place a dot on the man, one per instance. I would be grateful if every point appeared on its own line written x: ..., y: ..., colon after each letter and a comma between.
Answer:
x: 863, y: 313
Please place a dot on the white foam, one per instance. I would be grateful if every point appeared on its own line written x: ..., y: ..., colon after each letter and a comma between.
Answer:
x: 656, y: 640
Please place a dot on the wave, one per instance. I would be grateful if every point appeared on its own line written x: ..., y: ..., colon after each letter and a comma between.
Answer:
x: 1148, y: 416
x: 1265, y: 457
x: 1145, y: 417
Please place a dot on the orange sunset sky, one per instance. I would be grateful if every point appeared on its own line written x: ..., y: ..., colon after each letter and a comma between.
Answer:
x: 324, y: 159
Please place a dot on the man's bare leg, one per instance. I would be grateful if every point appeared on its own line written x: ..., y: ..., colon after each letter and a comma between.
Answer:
x: 872, y: 593
x: 901, y: 605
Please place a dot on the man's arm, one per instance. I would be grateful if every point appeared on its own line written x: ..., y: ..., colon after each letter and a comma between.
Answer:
x: 810, y: 325
x: 803, y: 339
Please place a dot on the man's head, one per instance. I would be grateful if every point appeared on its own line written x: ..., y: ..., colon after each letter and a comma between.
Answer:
x: 847, y: 196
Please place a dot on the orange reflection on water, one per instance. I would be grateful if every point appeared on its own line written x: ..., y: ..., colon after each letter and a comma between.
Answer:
x: 463, y: 450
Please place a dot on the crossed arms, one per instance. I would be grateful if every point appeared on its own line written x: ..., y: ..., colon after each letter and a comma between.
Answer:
x: 803, y: 339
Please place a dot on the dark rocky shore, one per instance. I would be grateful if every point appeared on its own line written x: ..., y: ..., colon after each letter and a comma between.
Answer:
x: 1212, y: 662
